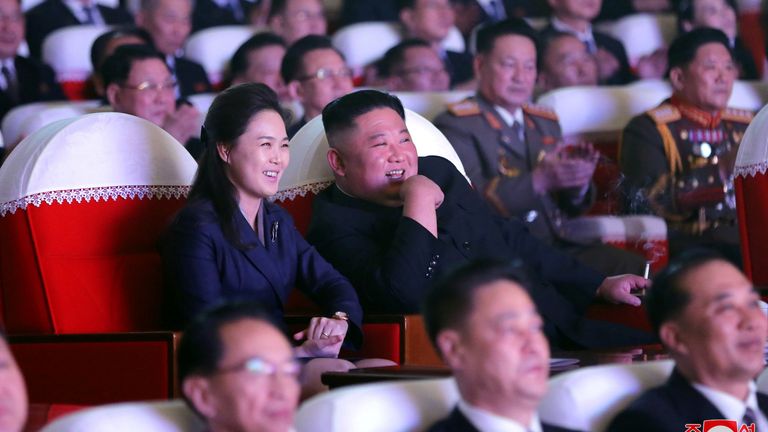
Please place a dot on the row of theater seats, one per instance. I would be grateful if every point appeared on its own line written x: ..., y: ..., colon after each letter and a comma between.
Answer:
x: 583, y: 399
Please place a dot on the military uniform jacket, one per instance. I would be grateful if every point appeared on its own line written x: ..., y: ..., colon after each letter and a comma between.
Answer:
x: 500, y: 164
x: 678, y: 162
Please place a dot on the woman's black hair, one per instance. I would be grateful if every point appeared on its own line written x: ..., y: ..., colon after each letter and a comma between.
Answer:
x: 226, y: 121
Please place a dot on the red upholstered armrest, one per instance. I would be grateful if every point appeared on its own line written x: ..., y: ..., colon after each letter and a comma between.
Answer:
x: 91, y: 369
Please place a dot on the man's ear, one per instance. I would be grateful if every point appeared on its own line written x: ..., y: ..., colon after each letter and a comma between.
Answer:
x: 449, y: 344
x: 336, y: 162
x: 112, y: 93
x: 542, y: 81
x: 393, y: 83
x: 686, y: 25
x: 406, y: 17
x: 276, y: 24
x: 671, y: 337
x: 197, y: 391
x: 141, y: 18
x: 676, y: 78
x: 477, y: 64
x: 223, y: 152
x: 295, y: 91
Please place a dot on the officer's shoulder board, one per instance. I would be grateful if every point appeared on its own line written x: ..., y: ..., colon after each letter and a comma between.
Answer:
x: 664, y: 114
x: 540, y: 111
x: 738, y: 115
x: 465, y: 108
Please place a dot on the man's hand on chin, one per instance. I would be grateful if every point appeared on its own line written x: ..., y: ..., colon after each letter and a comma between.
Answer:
x: 617, y: 289
x: 421, y: 198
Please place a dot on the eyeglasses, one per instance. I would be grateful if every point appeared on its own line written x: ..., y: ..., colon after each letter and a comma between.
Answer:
x: 259, y: 367
x: 325, y: 73
x: 149, y: 86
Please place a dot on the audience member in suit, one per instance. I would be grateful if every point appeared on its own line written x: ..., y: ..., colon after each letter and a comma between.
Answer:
x: 294, y: 19
x: 52, y: 15
x: 231, y: 243
x: 13, y: 416
x: 258, y: 60
x: 471, y: 13
x: 413, y: 66
x: 316, y: 74
x: 432, y: 20
x: 237, y: 370
x: 393, y: 222
x: 708, y: 317
x: 575, y: 17
x: 22, y: 79
x: 565, y: 62
x: 169, y: 23
x: 719, y: 14
x: 489, y: 333
x: 104, y: 46
x: 513, y: 152
x: 137, y: 81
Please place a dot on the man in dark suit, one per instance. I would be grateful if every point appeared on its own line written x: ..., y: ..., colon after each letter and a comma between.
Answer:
x: 22, y: 80
x: 431, y: 20
x: 708, y: 317
x: 513, y: 152
x: 575, y: 17
x: 393, y: 222
x: 52, y: 15
x: 169, y: 23
x: 487, y: 330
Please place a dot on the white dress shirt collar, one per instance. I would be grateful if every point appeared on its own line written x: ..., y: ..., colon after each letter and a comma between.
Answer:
x: 486, y: 421
x: 733, y: 408
x: 584, y: 36
x: 510, y: 117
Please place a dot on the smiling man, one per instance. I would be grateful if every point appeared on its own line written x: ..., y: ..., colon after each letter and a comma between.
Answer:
x: 708, y: 317
x: 488, y: 331
x: 678, y: 157
x: 393, y: 222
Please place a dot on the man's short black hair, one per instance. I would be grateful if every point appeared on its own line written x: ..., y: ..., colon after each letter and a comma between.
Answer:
x: 100, y: 44
x: 683, y: 49
x: 395, y: 56
x: 667, y: 298
x: 201, y: 349
x: 408, y: 4
x: 684, y: 10
x: 487, y: 35
x: 340, y: 115
x: 117, y: 67
x: 239, y: 63
x: 450, y: 301
x: 292, y: 66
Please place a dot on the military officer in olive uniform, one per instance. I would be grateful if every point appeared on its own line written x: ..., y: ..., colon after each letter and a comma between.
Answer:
x: 678, y: 157
x: 512, y: 150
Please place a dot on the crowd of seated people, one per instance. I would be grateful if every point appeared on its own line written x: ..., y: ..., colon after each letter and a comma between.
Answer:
x: 394, y: 224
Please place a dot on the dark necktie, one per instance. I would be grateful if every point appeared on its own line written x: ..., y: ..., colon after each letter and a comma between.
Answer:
x: 750, y: 418
x: 89, y: 17
x: 11, y: 86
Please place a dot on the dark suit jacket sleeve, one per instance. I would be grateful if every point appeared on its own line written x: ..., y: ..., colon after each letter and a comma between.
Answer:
x: 388, y: 272
x: 192, y: 78
x: 637, y: 421
x: 191, y: 270
x: 642, y: 160
x: 326, y: 286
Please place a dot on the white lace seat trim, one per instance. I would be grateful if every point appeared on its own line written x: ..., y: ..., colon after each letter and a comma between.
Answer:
x: 290, y: 194
x: 751, y: 170
x: 94, y: 194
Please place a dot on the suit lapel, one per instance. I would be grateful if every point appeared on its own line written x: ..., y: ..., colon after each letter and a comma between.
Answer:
x: 689, y: 400
x: 259, y: 255
x: 505, y: 137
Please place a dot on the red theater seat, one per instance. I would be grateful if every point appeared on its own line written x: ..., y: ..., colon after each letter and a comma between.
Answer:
x: 82, y: 205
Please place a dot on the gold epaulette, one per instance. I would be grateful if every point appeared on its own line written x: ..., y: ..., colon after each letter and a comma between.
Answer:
x: 465, y: 108
x: 664, y: 113
x: 738, y: 115
x: 540, y: 111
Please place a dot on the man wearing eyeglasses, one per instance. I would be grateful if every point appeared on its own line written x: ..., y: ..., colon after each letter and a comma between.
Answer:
x: 514, y: 154
x: 413, y: 66
x: 137, y: 81
x: 316, y: 74
x: 294, y: 19
x: 237, y: 370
